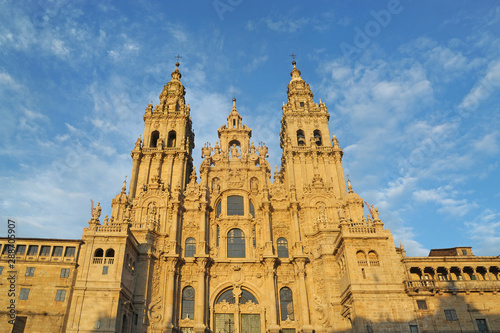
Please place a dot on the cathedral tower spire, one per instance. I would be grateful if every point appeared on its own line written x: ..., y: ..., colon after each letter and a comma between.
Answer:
x: 308, y: 153
x: 163, y: 158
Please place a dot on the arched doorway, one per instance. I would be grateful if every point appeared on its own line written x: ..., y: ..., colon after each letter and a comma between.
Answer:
x: 237, y: 311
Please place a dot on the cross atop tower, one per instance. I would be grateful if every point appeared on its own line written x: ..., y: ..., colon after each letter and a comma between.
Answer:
x: 293, y: 56
x: 178, y: 57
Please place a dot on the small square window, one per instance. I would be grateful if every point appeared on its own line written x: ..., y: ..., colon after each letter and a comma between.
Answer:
x: 24, y: 293
x: 33, y: 250
x: 451, y: 315
x: 7, y: 248
x: 21, y: 249
x: 30, y: 271
x: 45, y: 250
x: 1, y: 270
x: 301, y: 104
x: 464, y: 252
x: 60, y: 295
x: 65, y: 272
x: 422, y: 305
x: 57, y: 252
x: 105, y: 270
x: 70, y: 251
x: 413, y: 328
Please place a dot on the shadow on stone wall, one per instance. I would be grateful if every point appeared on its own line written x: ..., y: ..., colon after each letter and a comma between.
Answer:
x: 452, y: 308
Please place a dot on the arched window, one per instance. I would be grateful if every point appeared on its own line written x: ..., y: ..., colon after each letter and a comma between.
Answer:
x: 190, y: 249
x: 110, y: 253
x: 301, y: 139
x: 317, y: 138
x: 218, y: 234
x: 99, y: 253
x: 226, y: 296
x: 286, y: 304
x: 154, y: 139
x: 373, y: 258
x: 282, y: 248
x: 235, y: 205
x: 235, y: 244
x: 361, y: 256
x: 187, y: 303
x: 247, y: 296
x: 171, y: 139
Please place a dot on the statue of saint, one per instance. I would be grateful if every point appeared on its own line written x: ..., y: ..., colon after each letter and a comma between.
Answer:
x: 97, y: 212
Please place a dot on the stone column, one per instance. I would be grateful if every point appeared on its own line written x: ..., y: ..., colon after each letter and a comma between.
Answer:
x: 202, y: 236
x: 136, y: 162
x: 268, y: 249
x: 304, y: 303
x: 199, y: 305
x: 340, y: 173
x: 271, y: 290
x: 170, y: 265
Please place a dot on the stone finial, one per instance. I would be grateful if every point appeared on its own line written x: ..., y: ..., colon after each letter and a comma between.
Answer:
x: 193, y: 177
x: 349, y: 186
x: 295, y: 74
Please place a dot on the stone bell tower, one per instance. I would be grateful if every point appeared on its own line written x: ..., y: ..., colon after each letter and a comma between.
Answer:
x: 309, y: 154
x: 164, y: 154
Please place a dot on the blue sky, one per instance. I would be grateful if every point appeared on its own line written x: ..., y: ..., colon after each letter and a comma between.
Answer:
x: 412, y: 88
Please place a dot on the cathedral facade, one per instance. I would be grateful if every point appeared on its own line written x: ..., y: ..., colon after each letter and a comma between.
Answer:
x: 238, y: 247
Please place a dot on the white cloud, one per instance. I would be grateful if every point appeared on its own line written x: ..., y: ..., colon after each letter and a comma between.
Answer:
x: 488, y: 144
x: 9, y: 82
x: 485, y: 230
x: 443, y: 196
x: 483, y: 88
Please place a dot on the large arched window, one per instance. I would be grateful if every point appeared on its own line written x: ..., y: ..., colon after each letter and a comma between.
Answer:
x: 187, y: 303
x: 171, y: 139
x: 154, y: 139
x: 317, y: 138
x: 282, y: 248
x: 99, y: 253
x: 110, y: 253
x: 235, y: 205
x: 235, y: 244
x: 301, y: 139
x: 190, y: 248
x: 286, y: 304
x: 226, y: 296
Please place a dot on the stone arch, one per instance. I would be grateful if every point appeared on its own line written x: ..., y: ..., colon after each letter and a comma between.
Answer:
x: 317, y: 138
x: 155, y: 135
x: 301, y: 138
x: 171, y: 140
x: 361, y: 257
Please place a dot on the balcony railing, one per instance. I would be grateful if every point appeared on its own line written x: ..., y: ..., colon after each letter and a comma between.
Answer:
x: 417, y: 286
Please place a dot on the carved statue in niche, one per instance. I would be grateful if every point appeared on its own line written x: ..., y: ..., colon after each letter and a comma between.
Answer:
x: 254, y: 184
x: 215, y: 185
x: 152, y: 211
x: 127, y: 213
x: 234, y: 152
